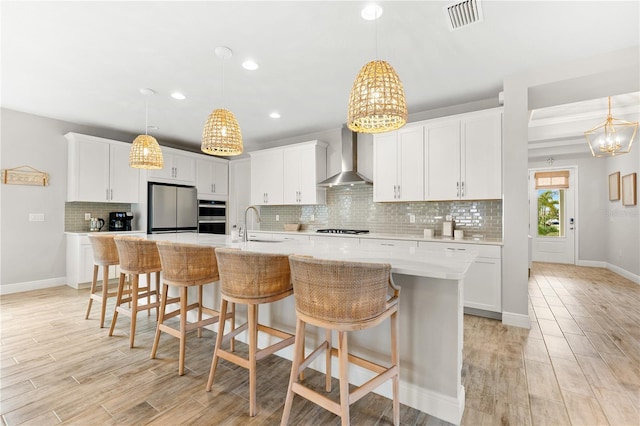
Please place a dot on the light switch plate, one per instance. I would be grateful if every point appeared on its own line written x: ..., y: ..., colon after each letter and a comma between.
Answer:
x: 412, y: 218
x: 87, y: 216
x: 36, y: 217
x: 277, y: 218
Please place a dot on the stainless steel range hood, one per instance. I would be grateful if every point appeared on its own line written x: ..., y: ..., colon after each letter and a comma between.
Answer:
x: 349, y: 174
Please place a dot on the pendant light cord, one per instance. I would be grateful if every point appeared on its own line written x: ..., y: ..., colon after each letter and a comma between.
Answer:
x: 146, y: 116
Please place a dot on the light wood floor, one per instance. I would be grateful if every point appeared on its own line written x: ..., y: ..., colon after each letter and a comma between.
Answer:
x: 579, y: 364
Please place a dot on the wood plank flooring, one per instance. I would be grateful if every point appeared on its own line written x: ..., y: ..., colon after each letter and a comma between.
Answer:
x: 579, y: 364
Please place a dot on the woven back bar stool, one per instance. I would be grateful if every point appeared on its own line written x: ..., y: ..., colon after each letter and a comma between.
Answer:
x: 250, y: 279
x: 342, y: 296
x: 105, y: 254
x: 184, y: 266
x: 137, y: 256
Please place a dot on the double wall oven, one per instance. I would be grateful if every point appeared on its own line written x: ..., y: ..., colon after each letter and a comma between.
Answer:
x: 212, y: 217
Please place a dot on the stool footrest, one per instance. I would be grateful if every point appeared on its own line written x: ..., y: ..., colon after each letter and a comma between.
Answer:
x: 312, y: 356
x: 376, y: 368
x: 371, y: 384
x: 316, y: 397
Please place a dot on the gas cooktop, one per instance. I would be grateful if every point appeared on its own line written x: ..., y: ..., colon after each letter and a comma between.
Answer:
x: 343, y: 231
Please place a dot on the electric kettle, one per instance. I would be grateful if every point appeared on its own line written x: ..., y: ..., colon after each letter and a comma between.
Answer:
x: 96, y: 224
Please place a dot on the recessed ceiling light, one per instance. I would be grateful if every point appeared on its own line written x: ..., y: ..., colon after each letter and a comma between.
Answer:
x: 274, y: 115
x: 179, y: 96
x: 371, y: 12
x: 249, y: 65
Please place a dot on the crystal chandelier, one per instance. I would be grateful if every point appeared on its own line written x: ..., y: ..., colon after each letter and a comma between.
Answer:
x: 613, y: 137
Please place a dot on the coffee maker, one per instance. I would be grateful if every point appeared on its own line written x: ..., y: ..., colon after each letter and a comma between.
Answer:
x: 120, y: 221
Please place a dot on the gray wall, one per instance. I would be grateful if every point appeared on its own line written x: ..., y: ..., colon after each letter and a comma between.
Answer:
x: 600, y: 76
x: 34, y: 253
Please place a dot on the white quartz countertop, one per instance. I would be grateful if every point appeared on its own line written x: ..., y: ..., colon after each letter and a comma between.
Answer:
x: 84, y: 233
x: 466, y: 240
x: 404, y: 260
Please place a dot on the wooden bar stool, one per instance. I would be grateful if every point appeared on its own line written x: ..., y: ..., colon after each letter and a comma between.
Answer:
x: 342, y: 296
x: 105, y: 254
x: 250, y: 279
x: 137, y: 256
x: 184, y: 266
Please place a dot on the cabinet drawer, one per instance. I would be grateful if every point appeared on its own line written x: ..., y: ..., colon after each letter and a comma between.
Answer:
x: 379, y: 242
x: 482, y: 250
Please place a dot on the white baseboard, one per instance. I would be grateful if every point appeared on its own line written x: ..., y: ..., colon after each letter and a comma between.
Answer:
x: 592, y: 263
x: 32, y: 285
x: 628, y: 275
x: 516, y: 320
x: 613, y: 268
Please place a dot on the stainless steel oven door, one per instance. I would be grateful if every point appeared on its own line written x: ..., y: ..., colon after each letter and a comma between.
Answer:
x: 212, y: 226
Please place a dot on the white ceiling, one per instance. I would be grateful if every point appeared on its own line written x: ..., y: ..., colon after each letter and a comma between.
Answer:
x: 85, y: 62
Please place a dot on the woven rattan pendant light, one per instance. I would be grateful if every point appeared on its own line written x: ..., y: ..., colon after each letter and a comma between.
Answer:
x: 145, y: 151
x: 376, y: 103
x: 221, y: 134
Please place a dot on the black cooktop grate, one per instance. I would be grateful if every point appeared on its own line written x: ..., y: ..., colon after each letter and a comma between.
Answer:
x: 343, y: 231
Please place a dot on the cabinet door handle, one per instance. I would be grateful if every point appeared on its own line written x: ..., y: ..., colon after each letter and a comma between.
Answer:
x: 387, y: 244
x: 395, y: 192
x: 214, y: 187
x: 266, y: 198
x: 457, y: 189
x: 462, y: 190
x: 111, y: 195
x: 106, y: 196
x: 399, y: 192
x: 487, y: 263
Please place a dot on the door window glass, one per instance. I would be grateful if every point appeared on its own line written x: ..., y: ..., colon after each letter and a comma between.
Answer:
x: 551, y: 212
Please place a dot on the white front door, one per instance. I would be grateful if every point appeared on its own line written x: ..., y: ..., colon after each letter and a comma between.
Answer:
x: 552, y: 219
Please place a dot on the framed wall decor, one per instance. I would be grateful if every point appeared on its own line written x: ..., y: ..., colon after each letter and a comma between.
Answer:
x: 614, y: 186
x: 629, y: 189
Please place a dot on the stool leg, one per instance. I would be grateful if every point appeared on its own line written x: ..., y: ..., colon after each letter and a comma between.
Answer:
x: 200, y: 309
x: 253, y: 347
x: 327, y: 360
x: 134, y: 308
x: 148, y: 292
x: 93, y: 290
x: 105, y: 291
x: 343, y: 356
x: 295, y: 370
x: 118, y: 303
x: 395, y: 360
x: 163, y: 306
x: 183, y: 328
x: 158, y: 292
x: 233, y: 326
x: 219, y: 336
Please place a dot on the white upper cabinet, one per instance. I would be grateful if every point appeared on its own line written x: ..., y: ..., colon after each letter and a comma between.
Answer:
x: 463, y: 157
x: 304, y: 166
x: 481, y: 158
x: 178, y: 168
x: 442, y: 160
x: 398, y: 165
x: 98, y: 171
x: 289, y: 175
x: 212, y: 179
x: 267, y: 176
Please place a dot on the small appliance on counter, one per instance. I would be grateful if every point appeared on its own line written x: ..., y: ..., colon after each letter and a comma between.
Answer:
x: 96, y: 224
x: 120, y: 221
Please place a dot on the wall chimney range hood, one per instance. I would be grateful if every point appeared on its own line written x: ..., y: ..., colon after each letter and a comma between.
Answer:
x: 349, y: 174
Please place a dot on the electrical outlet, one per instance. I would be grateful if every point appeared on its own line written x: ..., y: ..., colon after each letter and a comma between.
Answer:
x: 412, y: 218
x: 36, y: 217
x: 87, y: 216
x: 277, y: 218
x: 312, y: 218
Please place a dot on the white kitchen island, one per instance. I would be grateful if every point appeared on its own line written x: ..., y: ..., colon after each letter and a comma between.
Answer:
x: 431, y: 317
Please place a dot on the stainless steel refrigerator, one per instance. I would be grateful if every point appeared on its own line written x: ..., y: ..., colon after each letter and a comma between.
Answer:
x: 172, y: 208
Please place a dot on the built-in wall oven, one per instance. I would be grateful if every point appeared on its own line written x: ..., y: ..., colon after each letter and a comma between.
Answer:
x: 212, y: 217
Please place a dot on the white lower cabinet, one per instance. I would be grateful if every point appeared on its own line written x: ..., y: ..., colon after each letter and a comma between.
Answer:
x: 80, y: 261
x: 483, y: 283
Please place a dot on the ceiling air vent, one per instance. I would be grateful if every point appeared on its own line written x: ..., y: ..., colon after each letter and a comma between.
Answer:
x: 463, y: 14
